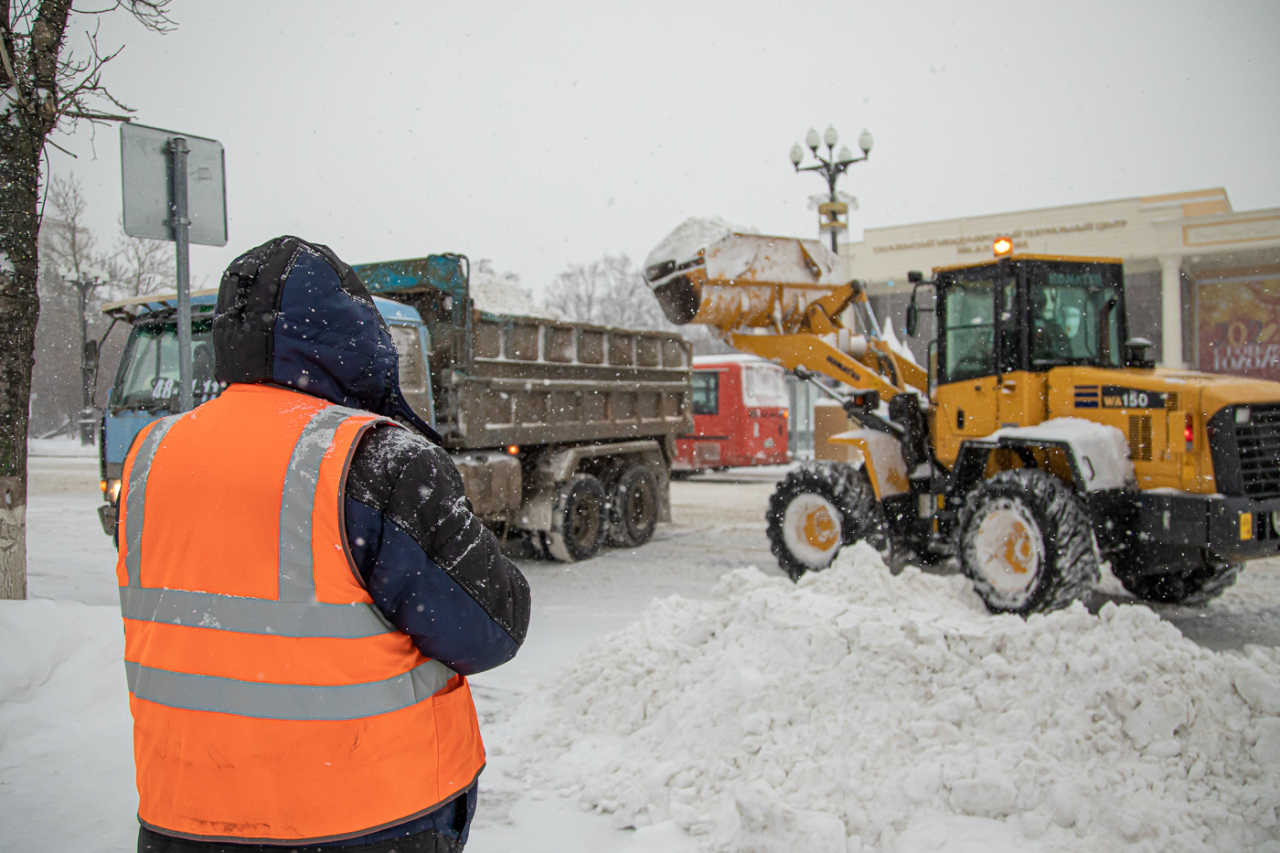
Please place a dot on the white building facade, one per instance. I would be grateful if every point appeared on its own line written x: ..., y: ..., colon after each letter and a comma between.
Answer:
x: 1203, y: 281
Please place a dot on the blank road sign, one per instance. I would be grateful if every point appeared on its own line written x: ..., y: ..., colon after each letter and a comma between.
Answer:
x: 148, y: 190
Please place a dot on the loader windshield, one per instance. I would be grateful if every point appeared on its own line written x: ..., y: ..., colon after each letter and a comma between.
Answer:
x: 1052, y: 313
x: 968, y: 311
x: 1075, y: 314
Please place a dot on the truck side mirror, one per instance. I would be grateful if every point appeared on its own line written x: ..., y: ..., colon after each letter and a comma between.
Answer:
x: 91, y: 356
x: 915, y: 277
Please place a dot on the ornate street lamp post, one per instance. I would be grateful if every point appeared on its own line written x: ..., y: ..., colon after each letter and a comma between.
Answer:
x: 831, y: 167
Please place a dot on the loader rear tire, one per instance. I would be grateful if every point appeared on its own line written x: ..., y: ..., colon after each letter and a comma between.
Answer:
x: 632, y: 493
x: 1194, y: 585
x: 816, y: 510
x: 1026, y: 543
x: 578, y: 520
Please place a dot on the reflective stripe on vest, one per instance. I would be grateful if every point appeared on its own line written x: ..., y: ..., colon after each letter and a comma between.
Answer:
x: 286, y: 701
x: 295, y: 614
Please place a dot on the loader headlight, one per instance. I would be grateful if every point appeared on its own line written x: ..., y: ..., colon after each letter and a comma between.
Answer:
x: 1242, y: 414
x: 1275, y: 521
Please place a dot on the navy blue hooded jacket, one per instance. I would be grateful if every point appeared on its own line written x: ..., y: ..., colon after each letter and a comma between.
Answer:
x: 292, y: 314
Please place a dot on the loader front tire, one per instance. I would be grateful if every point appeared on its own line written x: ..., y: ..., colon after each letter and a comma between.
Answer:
x: 816, y: 510
x: 578, y: 520
x: 1026, y: 543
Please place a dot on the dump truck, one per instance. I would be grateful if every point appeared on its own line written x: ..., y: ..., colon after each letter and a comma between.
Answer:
x: 563, y: 432
x: 1039, y: 441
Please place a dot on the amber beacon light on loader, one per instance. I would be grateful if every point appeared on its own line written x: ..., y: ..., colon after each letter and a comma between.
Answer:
x: 1038, y: 442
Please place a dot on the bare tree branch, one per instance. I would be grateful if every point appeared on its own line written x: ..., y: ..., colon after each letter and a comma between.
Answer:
x: 610, y: 291
x: 47, y: 86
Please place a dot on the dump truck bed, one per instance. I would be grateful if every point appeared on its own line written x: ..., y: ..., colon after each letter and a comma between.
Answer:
x: 501, y: 380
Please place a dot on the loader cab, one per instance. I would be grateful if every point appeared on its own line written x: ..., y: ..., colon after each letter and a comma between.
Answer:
x: 1004, y: 324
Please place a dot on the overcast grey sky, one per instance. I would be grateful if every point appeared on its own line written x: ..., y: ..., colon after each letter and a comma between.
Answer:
x: 550, y: 133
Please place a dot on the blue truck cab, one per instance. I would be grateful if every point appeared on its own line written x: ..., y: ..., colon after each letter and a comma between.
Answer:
x: 146, y: 384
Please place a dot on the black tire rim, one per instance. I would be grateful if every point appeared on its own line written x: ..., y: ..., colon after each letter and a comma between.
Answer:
x: 584, y: 522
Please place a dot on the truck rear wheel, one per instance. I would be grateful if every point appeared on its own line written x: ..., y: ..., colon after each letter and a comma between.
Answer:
x: 816, y: 510
x: 632, y: 493
x: 1193, y: 585
x: 1026, y: 543
x: 578, y: 520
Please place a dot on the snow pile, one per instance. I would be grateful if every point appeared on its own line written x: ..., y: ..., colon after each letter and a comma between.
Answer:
x: 690, y: 237
x: 500, y: 293
x: 66, y: 761
x: 1101, y: 451
x: 861, y: 711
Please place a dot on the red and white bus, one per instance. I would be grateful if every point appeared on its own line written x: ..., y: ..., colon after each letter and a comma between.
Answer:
x: 739, y: 415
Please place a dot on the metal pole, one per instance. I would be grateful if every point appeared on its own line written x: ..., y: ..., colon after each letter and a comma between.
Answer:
x: 831, y: 186
x: 181, y: 235
x: 86, y: 375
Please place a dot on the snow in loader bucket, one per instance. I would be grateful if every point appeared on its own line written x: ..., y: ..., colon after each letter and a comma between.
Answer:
x: 708, y: 272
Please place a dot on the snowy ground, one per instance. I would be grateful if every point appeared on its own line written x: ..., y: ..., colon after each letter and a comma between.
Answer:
x: 66, y: 767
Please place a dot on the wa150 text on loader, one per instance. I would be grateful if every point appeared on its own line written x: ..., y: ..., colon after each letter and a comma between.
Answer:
x: 1039, y: 441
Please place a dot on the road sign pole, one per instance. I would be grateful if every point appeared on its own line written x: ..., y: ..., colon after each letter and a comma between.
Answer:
x: 181, y: 235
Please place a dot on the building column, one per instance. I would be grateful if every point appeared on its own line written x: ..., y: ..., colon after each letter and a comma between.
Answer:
x: 1171, y: 311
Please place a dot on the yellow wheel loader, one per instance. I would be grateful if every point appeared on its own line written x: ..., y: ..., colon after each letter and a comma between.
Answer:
x: 1039, y: 441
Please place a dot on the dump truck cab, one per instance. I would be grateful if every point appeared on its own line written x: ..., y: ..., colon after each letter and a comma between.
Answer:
x: 146, y: 383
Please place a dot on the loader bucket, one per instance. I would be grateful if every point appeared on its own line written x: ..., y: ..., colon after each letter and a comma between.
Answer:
x: 735, y: 280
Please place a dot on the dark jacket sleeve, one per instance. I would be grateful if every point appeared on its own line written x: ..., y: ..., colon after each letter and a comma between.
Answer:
x: 429, y: 564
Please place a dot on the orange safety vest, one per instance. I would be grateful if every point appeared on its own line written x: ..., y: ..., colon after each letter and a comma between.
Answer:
x: 272, y: 701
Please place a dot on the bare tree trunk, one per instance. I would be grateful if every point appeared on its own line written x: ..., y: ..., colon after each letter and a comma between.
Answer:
x: 19, y: 309
x: 40, y: 85
x: 22, y: 138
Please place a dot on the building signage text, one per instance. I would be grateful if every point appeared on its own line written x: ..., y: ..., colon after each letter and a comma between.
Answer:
x: 982, y: 242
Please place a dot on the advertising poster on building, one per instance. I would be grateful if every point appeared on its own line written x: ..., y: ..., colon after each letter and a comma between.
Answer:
x: 1239, y: 326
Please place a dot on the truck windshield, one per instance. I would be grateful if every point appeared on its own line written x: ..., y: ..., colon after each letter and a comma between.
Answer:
x: 148, y: 375
x: 1075, y: 314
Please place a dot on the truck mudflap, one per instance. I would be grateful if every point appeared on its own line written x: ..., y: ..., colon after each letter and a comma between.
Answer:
x: 1233, y: 528
x: 492, y: 481
x: 107, y: 515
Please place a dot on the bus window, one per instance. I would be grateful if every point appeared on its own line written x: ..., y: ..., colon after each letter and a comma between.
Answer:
x: 706, y: 392
x: 764, y: 386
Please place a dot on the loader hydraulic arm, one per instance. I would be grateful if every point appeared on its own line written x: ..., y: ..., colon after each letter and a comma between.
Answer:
x: 811, y: 352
